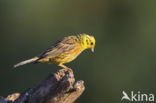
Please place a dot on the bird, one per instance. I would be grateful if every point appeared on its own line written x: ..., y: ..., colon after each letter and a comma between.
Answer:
x: 63, y: 51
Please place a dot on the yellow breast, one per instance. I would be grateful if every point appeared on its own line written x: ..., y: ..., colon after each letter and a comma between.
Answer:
x: 67, y: 56
x: 64, y: 57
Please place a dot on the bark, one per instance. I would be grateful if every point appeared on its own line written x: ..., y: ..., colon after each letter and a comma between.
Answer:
x: 59, y: 87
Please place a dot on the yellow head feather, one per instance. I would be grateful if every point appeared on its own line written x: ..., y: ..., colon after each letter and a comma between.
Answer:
x: 87, y: 41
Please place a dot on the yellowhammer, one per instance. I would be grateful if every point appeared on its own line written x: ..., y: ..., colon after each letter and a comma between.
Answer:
x: 64, y: 51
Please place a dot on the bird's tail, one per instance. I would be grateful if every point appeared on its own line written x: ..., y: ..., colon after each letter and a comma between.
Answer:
x: 26, y: 62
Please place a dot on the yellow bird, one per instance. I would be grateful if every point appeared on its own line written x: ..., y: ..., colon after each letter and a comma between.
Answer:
x: 64, y: 51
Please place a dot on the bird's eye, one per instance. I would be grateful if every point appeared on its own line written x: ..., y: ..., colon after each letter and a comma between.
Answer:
x: 91, y: 43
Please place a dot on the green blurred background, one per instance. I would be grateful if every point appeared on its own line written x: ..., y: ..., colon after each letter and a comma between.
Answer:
x: 124, y: 58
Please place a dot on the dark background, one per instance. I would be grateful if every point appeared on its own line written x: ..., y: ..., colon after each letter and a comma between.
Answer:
x: 124, y: 58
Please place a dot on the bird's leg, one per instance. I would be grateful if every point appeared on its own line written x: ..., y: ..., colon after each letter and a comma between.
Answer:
x: 65, y: 67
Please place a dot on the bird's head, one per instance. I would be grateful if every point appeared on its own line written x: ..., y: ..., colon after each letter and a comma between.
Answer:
x: 87, y: 41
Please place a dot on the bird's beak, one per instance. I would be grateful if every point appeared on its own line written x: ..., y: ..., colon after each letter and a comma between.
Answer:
x: 92, y: 49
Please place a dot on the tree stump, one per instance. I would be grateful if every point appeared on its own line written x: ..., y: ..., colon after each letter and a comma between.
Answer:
x: 59, y: 87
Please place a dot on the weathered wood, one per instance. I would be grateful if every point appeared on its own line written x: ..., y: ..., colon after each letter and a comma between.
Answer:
x: 59, y: 87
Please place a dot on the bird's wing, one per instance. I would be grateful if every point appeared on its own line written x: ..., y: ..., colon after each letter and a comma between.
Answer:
x: 59, y: 47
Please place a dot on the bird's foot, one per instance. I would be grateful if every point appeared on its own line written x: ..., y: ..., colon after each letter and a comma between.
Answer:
x: 68, y: 69
x: 65, y: 67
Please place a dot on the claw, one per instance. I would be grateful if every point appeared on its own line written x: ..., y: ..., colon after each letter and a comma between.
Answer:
x: 65, y: 67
